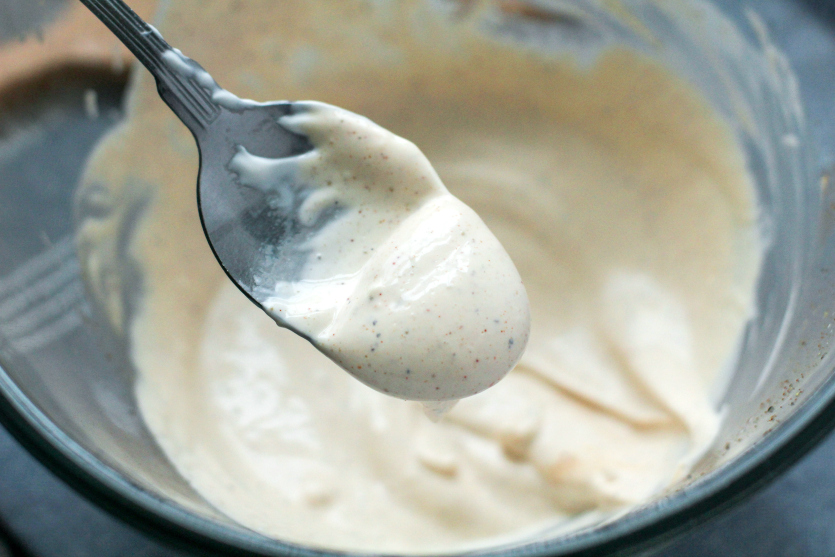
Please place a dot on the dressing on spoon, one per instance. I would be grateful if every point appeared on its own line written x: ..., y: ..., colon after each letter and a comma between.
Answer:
x: 401, y: 283
x: 405, y: 288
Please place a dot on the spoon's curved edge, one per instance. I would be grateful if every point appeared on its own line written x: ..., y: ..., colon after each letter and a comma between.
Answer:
x: 281, y: 108
x: 241, y: 287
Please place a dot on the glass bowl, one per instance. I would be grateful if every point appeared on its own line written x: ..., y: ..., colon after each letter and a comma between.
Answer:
x: 66, y: 381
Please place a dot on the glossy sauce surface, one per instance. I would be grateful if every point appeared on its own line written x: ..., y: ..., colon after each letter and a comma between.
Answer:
x: 403, y: 285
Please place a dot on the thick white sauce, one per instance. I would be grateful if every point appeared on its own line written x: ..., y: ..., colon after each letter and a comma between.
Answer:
x: 406, y: 288
x: 621, y: 196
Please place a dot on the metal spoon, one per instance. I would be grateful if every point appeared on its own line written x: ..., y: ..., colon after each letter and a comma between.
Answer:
x: 252, y: 197
x: 254, y: 234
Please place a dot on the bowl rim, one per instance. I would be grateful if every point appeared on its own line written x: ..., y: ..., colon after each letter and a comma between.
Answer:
x: 638, y: 531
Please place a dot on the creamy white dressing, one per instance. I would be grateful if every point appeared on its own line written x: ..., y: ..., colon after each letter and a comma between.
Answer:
x: 621, y: 196
x: 405, y: 287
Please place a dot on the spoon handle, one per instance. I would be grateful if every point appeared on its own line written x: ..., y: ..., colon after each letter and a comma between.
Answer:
x: 190, y: 102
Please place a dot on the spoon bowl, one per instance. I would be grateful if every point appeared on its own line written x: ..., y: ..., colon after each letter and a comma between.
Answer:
x: 254, y: 234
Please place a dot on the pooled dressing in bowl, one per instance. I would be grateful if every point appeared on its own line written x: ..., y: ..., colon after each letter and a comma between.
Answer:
x: 621, y: 195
